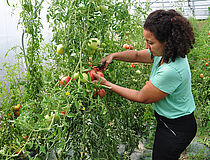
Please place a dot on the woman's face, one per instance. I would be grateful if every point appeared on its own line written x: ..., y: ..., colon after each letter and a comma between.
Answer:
x: 153, y: 44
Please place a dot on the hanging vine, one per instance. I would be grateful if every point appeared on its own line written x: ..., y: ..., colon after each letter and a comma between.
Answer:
x: 31, y: 23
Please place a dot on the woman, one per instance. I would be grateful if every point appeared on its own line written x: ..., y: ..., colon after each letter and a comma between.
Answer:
x: 169, y: 37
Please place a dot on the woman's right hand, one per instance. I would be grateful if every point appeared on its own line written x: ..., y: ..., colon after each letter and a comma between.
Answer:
x: 107, y: 60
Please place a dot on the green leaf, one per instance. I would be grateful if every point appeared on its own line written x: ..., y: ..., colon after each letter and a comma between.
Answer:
x: 99, y: 81
x: 59, y: 133
x: 42, y: 149
x: 70, y: 115
x: 89, y: 79
x: 77, y: 105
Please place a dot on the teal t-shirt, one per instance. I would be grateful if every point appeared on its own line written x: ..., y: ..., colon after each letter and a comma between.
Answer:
x: 173, y: 78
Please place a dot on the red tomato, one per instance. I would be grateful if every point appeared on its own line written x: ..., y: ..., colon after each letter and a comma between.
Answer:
x: 65, y: 80
x: 100, y: 74
x: 201, y: 75
x: 95, y: 93
x: 131, y: 47
x: 63, y: 112
x: 91, y: 74
x: 101, y: 93
x: 133, y: 65
x: 206, y: 64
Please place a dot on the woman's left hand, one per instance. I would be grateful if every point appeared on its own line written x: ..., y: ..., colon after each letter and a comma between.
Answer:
x: 103, y: 80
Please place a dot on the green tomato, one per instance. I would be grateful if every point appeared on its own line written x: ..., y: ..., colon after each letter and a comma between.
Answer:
x: 134, y: 80
x: 138, y: 72
x: 98, y: 8
x: 94, y: 43
x: 103, y: 8
x: 56, y: 116
x: 76, y: 75
x: 60, y: 49
x: 85, y: 78
x: 48, y: 119
x: 103, y: 44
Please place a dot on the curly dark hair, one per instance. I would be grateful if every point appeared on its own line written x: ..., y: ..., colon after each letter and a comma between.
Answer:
x: 172, y: 28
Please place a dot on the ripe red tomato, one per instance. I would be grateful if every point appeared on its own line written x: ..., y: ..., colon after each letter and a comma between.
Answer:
x: 126, y: 46
x: 206, y: 64
x: 102, y: 92
x: 91, y: 74
x: 134, y: 65
x: 63, y: 112
x: 131, y: 47
x: 100, y: 74
x: 65, y: 80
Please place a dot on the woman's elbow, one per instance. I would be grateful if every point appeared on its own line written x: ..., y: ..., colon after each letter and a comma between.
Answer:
x: 144, y: 100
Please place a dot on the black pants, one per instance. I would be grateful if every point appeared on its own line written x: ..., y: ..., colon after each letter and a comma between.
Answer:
x: 172, y: 136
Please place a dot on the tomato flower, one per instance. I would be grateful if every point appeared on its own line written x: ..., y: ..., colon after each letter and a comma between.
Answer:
x: 67, y: 93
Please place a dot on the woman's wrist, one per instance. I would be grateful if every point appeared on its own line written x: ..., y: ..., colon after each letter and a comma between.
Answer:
x: 108, y: 84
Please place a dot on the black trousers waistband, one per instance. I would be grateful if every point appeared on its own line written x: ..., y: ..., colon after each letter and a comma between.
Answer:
x: 184, y: 123
x: 182, y: 118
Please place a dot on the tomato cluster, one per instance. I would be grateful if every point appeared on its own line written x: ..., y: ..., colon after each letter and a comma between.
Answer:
x: 96, y: 71
x: 134, y: 65
x: 16, y: 111
x: 101, y: 92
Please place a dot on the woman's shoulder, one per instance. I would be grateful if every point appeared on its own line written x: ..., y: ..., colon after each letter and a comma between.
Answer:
x: 180, y: 66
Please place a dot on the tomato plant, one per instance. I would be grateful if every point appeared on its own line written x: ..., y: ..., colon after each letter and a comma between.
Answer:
x: 75, y: 121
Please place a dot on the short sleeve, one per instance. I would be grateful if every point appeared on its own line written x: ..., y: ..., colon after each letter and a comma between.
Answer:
x: 167, y: 79
x: 149, y: 52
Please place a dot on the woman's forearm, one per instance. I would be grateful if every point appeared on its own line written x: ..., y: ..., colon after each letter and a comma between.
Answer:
x: 129, y: 94
x: 133, y: 56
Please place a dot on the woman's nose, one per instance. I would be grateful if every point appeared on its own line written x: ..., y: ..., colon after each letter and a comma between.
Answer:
x: 146, y: 45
